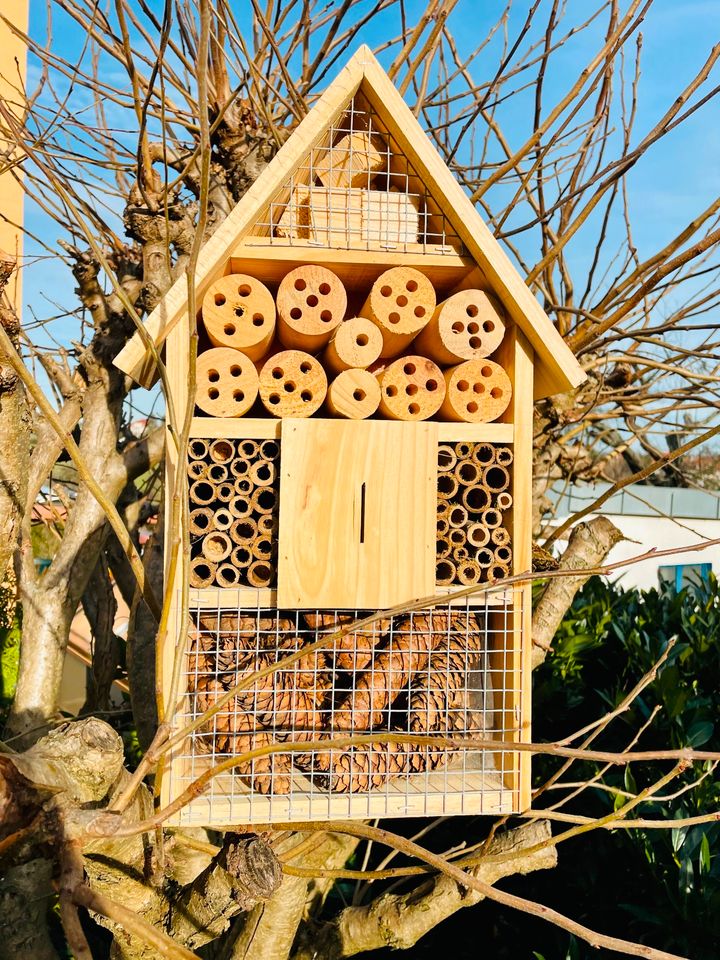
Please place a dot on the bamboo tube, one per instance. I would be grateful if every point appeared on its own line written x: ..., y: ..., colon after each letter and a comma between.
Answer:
x: 503, y: 554
x: 443, y: 547
x: 311, y: 302
x: 457, y: 537
x: 202, y: 572
x: 238, y: 311
x: 504, y: 456
x: 292, y: 384
x: 447, y: 486
x: 500, y: 537
x: 355, y: 344
x: 200, y: 521
x: 412, y: 388
x: 400, y: 303
x: 260, y: 573
x: 504, y: 500
x: 227, y: 575
x: 196, y: 469
x: 354, y: 395
x: 222, y: 519
x: 458, y: 516
x: 198, y: 448
x: 466, y: 326
x: 491, y: 518
x: 262, y: 548
x: 222, y: 450
x: 447, y: 458
x: 241, y: 556
x: 478, y: 534
x: 243, y: 531
x: 239, y: 467
x: 442, y: 526
x: 269, y: 449
x: 476, y: 499
x: 202, y: 492
x: 483, y: 454
x: 477, y: 391
x: 460, y: 553
x: 497, y: 571
x: 216, y: 546
x: 496, y: 478
x: 444, y: 572
x: 463, y: 449
x: 262, y: 473
x: 443, y: 508
x: 468, y: 572
x: 225, y: 492
x: 248, y: 449
x: 264, y: 500
x: 485, y: 557
x: 216, y: 473
x: 243, y: 486
x: 227, y: 382
x: 267, y: 525
x: 467, y: 472
x: 240, y: 506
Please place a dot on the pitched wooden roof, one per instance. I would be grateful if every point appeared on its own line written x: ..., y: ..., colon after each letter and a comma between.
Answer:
x: 556, y: 371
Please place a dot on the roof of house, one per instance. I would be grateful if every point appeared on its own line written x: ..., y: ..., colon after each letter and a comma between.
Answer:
x: 556, y: 368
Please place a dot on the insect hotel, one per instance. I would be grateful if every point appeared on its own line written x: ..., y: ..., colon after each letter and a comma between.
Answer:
x: 361, y: 439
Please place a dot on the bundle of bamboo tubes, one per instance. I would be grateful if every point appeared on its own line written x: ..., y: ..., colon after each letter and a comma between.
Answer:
x: 234, y: 499
x: 473, y: 497
x: 404, y: 356
x: 407, y: 675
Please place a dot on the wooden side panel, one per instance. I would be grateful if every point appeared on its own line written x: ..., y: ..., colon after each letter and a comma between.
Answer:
x: 357, y: 513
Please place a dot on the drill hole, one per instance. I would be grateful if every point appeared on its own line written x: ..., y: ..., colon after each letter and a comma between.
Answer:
x: 326, y: 316
x: 213, y: 393
x: 431, y: 385
x: 219, y: 299
x: 463, y: 385
x: 258, y: 320
x: 409, y: 369
x: 238, y: 396
x: 473, y: 328
x: 401, y: 301
x: 274, y: 398
x: 300, y: 284
x: 312, y: 300
x: 278, y: 373
x: 305, y: 366
x: 413, y: 409
x: 496, y: 393
x: 486, y: 371
x: 472, y: 407
x: 213, y: 376
x: 419, y: 311
x: 324, y: 289
x: 394, y: 317
x: 488, y: 326
x: 386, y: 291
x: 411, y: 286
x: 478, y: 388
x: 391, y: 391
x: 244, y: 290
x: 296, y: 313
x: 240, y: 311
x: 475, y: 343
x: 361, y: 340
x: 306, y: 396
x: 471, y: 310
x: 229, y: 329
x: 411, y: 389
x: 289, y: 387
x: 235, y: 370
x: 458, y: 327
x: 359, y: 395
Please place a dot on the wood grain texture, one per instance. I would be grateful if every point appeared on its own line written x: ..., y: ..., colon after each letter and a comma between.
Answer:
x: 292, y: 384
x: 226, y: 382
x: 355, y: 344
x: 400, y: 303
x: 239, y: 311
x: 357, y: 513
x: 353, y: 395
x: 411, y: 388
x: 352, y: 161
x: 469, y: 325
x: 311, y: 302
x: 476, y: 391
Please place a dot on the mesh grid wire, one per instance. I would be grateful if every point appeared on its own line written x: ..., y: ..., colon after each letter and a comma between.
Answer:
x: 387, y: 207
x: 451, y: 671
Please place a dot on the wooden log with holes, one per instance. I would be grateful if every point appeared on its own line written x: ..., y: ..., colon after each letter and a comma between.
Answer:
x: 226, y: 382
x: 352, y: 161
x: 477, y: 391
x: 411, y: 388
x: 469, y: 325
x: 353, y: 395
x: 238, y: 311
x: 400, y: 303
x: 355, y: 344
x: 292, y: 384
x: 311, y: 302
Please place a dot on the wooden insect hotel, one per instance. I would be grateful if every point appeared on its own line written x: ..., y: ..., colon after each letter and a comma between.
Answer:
x: 362, y: 438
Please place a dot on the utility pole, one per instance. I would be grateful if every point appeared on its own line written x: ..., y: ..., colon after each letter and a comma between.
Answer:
x: 13, y: 69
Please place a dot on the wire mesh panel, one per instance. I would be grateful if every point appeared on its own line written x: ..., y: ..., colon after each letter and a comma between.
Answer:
x: 357, y: 190
x: 448, y: 672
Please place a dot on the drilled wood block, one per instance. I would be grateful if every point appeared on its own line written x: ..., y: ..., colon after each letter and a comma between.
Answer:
x: 412, y: 388
x: 355, y: 344
x: 226, y: 382
x: 311, y: 302
x: 292, y: 384
x: 353, y: 395
x: 239, y: 311
x: 467, y: 326
x: 400, y: 303
x: 478, y: 391
x: 352, y: 161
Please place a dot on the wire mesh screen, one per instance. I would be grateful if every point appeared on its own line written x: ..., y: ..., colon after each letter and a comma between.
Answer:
x: 448, y: 672
x: 357, y: 190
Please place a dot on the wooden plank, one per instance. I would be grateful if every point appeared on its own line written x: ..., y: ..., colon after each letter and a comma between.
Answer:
x: 256, y: 428
x: 357, y: 513
x: 214, y: 598
x: 563, y: 370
